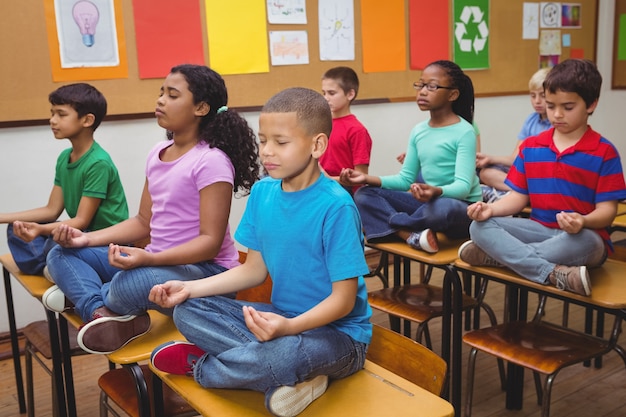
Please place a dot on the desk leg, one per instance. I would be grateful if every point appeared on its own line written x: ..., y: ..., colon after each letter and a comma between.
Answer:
x: 15, y: 348
x: 157, y: 396
x: 67, y: 366
x: 517, y: 302
x: 451, y: 334
x: 57, y: 362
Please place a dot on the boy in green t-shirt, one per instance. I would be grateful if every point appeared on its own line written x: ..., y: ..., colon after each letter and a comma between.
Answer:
x: 86, y: 183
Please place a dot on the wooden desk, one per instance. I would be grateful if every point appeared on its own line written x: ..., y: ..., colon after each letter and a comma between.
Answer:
x: 35, y: 285
x: 371, y: 392
x: 451, y: 331
x: 608, y: 295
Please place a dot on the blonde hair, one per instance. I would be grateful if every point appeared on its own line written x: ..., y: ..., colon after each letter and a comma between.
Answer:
x: 536, y: 81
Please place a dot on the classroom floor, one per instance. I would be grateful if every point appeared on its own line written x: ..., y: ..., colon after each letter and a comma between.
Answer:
x: 577, y: 391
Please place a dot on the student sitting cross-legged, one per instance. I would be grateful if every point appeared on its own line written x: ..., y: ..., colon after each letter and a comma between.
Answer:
x: 304, y: 229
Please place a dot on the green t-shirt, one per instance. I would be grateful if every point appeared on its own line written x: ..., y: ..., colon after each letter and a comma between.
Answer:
x: 93, y: 175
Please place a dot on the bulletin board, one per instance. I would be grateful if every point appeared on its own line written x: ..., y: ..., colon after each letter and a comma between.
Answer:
x: 27, y: 81
x: 619, y: 63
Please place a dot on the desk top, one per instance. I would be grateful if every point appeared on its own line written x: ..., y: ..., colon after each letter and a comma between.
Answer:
x: 608, y: 283
x: 448, y: 250
x: 36, y: 285
x: 373, y: 392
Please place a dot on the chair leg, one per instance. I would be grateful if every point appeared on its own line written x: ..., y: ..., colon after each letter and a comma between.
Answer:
x: 422, y: 330
x: 547, y: 390
x: 471, y: 365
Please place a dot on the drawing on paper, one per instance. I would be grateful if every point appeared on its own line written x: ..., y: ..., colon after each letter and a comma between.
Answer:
x: 289, y: 47
x: 286, y: 11
x: 336, y: 29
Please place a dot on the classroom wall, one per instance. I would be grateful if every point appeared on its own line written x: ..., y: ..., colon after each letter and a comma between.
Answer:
x: 28, y: 154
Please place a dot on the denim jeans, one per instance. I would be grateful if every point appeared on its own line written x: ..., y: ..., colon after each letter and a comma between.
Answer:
x: 30, y: 257
x: 236, y: 359
x: 384, y: 212
x: 533, y: 250
x: 89, y: 281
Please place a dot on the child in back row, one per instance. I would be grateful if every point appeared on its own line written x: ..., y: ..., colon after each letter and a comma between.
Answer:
x: 302, y: 228
x: 349, y: 145
x: 571, y: 177
x: 86, y: 182
x: 493, y: 169
x: 210, y: 153
x: 443, y: 150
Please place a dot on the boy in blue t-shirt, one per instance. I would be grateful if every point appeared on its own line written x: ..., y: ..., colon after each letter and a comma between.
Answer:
x: 303, y: 229
x: 87, y: 185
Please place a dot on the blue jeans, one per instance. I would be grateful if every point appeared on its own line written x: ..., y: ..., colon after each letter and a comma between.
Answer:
x: 384, y: 212
x: 236, y: 359
x: 30, y: 257
x: 89, y: 281
x: 533, y: 250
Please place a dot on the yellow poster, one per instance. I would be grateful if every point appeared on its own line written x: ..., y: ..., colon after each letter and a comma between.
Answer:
x: 237, y: 36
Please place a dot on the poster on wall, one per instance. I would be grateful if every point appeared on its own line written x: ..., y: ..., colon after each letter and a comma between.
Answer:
x: 471, y: 34
x: 86, y: 39
x: 336, y: 29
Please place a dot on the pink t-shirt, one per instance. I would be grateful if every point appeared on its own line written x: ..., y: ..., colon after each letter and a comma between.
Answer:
x: 175, y: 191
x: 349, y: 145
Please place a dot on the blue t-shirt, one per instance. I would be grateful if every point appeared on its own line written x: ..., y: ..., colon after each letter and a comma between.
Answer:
x: 533, y: 125
x: 308, y: 239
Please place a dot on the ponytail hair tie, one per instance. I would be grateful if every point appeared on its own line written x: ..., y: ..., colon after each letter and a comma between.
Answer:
x: 222, y: 109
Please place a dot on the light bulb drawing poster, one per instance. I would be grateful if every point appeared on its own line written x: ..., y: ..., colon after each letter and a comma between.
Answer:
x: 86, y: 39
x: 336, y: 30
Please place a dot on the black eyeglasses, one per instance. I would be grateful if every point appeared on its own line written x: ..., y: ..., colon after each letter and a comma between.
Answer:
x: 430, y: 86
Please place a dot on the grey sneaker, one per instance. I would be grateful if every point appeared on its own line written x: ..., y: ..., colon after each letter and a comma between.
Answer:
x: 425, y: 240
x: 470, y: 252
x: 571, y: 278
x: 286, y: 401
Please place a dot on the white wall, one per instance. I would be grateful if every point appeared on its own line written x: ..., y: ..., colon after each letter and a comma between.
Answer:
x: 28, y: 155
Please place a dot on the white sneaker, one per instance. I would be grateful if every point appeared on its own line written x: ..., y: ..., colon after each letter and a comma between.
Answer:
x: 54, y: 299
x: 288, y: 401
x: 46, y: 273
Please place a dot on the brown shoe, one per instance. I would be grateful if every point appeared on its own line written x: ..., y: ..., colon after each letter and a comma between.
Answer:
x: 571, y: 278
x: 108, y: 331
x: 470, y: 252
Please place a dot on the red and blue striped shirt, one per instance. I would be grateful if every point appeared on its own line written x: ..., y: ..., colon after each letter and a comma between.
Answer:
x: 574, y: 180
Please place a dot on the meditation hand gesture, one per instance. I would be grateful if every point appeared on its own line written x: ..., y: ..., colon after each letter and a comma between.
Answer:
x: 264, y: 325
x: 350, y: 176
x: 70, y: 237
x: 128, y: 257
x: 424, y: 192
x: 169, y: 294
x: 27, y: 231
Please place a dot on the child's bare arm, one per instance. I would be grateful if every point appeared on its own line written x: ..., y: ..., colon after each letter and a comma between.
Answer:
x: 48, y: 213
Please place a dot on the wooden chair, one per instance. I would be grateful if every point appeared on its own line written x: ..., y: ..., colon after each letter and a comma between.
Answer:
x: 400, y: 376
x: 408, y: 359
x: 542, y: 347
x: 420, y: 303
x: 37, y: 348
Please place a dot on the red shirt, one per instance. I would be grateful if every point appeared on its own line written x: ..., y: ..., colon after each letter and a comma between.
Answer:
x: 349, y: 145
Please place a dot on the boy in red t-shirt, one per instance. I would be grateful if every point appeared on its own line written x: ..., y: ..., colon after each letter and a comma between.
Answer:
x: 350, y: 144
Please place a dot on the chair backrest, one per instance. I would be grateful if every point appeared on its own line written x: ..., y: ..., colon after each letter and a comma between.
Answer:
x: 261, y: 293
x: 408, y: 359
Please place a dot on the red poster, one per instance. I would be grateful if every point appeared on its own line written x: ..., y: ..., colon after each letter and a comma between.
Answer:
x: 168, y: 33
x: 429, y: 32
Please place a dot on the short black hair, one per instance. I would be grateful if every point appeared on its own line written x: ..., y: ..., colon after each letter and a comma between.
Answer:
x: 580, y: 76
x: 345, y: 77
x: 82, y: 97
x: 311, y: 108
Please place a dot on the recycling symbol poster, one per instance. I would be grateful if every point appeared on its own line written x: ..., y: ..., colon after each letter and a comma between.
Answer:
x: 471, y: 34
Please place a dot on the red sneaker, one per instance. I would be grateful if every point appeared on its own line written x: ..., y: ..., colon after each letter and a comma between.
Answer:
x: 176, y: 357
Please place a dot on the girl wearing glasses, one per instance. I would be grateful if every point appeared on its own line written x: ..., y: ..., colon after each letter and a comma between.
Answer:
x: 443, y: 149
